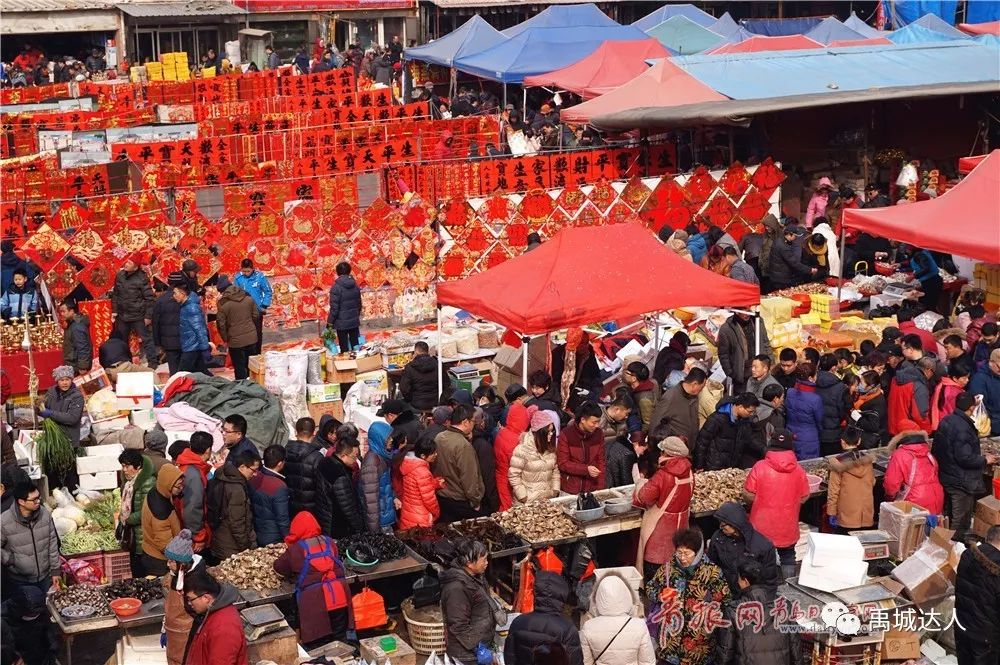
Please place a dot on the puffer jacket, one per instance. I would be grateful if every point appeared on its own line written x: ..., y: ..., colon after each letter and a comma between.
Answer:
x: 193, y: 330
x: 420, y: 504
x: 468, y: 613
x: 160, y: 522
x: 132, y: 298
x: 748, y: 545
x: 767, y: 645
x: 727, y: 441
x: 30, y: 546
x: 194, y: 502
x: 270, y: 507
x: 532, y: 475
x: 679, y: 411
x: 18, y: 302
x: 167, y: 323
x: 614, y: 633
x: 302, y: 460
x: 986, y: 383
x: 804, y: 418
x: 419, y: 382
x: 235, y: 532
x: 909, y: 398
x: 977, y: 596
x: 77, y: 348
x: 779, y: 484
x: 836, y: 405
x: 645, y: 396
x: 256, y: 286
x: 575, y: 451
x: 912, y: 474
x: 874, y: 420
x: 345, y: 304
x: 545, y: 624
x: 217, y: 638
x: 236, y: 318
x: 785, y: 265
x: 143, y: 484
x: 849, y: 495
x: 66, y: 408
x: 338, y: 498
x: 503, y: 450
x: 697, y: 245
x: 959, y: 455
x: 376, y: 480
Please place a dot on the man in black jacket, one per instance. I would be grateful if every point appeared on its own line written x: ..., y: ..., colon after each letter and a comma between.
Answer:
x: 345, y: 308
x: 836, y: 404
x: 404, y: 421
x: 78, y: 349
x: 960, y: 463
x: 766, y: 644
x: 546, y: 624
x: 339, y: 491
x: 167, y: 323
x: 419, y: 380
x: 737, y: 542
x: 786, y: 267
x: 132, y: 305
x: 302, y: 458
x: 728, y: 439
x: 977, y: 602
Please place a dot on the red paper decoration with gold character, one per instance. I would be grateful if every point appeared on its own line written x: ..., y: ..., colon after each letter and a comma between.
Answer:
x: 295, y: 255
x: 374, y: 276
x: 735, y: 181
x: 377, y: 219
x: 536, y: 207
x: 494, y: 256
x: 700, y: 185
x: 208, y: 262
x: 619, y: 212
x: 754, y: 206
x: 456, y: 212
x: 767, y: 177
x: 602, y: 195
x: 516, y: 232
x: 588, y: 216
x: 497, y: 208
x: 424, y: 245
x: 99, y: 312
x: 456, y: 263
x: 87, y: 245
x: 306, y: 281
x: 61, y: 280
x: 571, y: 199
x: 45, y: 247
x: 363, y: 255
x: 415, y: 215
x: 636, y: 193
x: 302, y: 223
x: 99, y: 277
x: 397, y: 248
x: 131, y: 240
x: 70, y: 215
x: 421, y: 274
x: 167, y: 262
x: 342, y: 221
x: 268, y: 225
x: 474, y: 240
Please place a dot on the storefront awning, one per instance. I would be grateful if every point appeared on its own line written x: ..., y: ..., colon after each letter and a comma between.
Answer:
x: 22, y: 17
x: 169, y: 9
x: 322, y: 5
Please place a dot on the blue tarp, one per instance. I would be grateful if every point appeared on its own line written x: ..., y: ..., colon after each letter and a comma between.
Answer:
x: 917, y: 34
x: 665, y: 12
x: 564, y: 16
x: 542, y: 50
x: 862, y: 28
x: 682, y: 35
x: 903, y: 12
x: 830, y: 29
x: 932, y: 22
x: 782, y: 74
x: 471, y: 37
x: 982, y: 11
x: 780, y: 27
x: 730, y: 29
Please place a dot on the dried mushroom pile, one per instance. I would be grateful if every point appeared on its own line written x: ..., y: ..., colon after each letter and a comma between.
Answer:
x: 252, y: 569
x: 537, y: 521
x: 487, y: 532
x: 714, y: 488
x: 83, y: 594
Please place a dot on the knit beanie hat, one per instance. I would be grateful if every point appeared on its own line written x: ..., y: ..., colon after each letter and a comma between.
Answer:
x: 539, y: 419
x: 673, y: 445
x: 155, y: 440
x: 62, y: 372
x: 180, y: 548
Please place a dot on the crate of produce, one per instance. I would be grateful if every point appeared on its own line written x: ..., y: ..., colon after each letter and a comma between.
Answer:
x: 117, y: 566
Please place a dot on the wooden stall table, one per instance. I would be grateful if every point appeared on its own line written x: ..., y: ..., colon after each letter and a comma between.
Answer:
x: 411, y: 563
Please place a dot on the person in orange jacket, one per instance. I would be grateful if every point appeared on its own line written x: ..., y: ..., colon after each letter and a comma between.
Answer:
x: 419, y: 499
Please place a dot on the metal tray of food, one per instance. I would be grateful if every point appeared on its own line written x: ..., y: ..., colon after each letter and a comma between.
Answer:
x: 262, y: 615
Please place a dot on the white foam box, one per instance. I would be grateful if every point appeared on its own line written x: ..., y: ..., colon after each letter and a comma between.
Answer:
x: 106, y: 480
x: 144, y: 418
x: 135, y: 390
x: 89, y: 464
x: 109, y: 450
x: 109, y: 425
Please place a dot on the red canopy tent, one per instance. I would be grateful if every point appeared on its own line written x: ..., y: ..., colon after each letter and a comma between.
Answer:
x: 612, y: 64
x: 991, y: 28
x: 663, y: 84
x: 965, y: 220
x: 588, y: 274
x: 966, y: 164
x: 761, y: 43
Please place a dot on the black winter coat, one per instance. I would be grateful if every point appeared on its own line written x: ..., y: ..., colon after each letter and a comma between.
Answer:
x: 78, y: 349
x: 339, y: 492
x: 132, y: 297
x: 874, y: 423
x: 36, y: 642
x: 727, y: 553
x: 167, y: 323
x: 113, y: 352
x: 302, y: 476
x: 836, y: 406
x: 723, y: 444
x: 786, y: 267
x: 959, y: 455
x: 546, y: 624
x: 419, y: 382
x: 488, y: 470
x: 618, y: 460
x: 345, y: 304
x: 406, y: 425
x: 767, y: 646
x: 977, y: 596
x: 468, y: 614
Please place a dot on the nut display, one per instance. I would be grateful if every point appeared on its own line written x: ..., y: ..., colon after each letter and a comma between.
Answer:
x: 252, y: 569
x: 83, y: 594
x: 714, y: 488
x: 537, y: 521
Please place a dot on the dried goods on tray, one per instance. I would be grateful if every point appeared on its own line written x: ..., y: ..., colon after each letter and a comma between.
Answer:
x: 714, y: 488
x: 252, y: 569
x: 537, y: 521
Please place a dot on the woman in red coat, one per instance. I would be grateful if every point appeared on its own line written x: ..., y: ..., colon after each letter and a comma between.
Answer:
x: 912, y: 474
x: 419, y: 499
x: 216, y: 636
x: 322, y: 593
x: 503, y: 449
x: 666, y: 502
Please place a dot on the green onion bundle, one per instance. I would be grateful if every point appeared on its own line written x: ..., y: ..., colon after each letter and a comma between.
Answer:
x: 55, y: 451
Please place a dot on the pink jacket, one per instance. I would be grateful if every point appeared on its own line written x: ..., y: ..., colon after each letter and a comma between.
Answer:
x: 817, y: 207
x: 779, y: 484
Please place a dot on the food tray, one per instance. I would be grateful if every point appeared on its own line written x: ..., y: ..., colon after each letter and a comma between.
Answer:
x: 262, y: 615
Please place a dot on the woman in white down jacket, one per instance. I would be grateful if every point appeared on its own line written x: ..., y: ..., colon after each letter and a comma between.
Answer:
x: 533, y: 474
x: 614, y: 636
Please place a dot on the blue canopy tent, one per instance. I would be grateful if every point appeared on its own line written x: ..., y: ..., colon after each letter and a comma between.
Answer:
x: 682, y: 35
x: 781, y: 27
x: 565, y: 16
x: 541, y: 50
x: 830, y: 30
x: 730, y: 29
x: 903, y: 12
x: 918, y: 34
x: 690, y: 12
x: 862, y: 28
x: 471, y: 37
x: 935, y: 23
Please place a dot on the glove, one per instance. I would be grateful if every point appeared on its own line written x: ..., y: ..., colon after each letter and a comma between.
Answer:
x: 932, y: 521
x: 163, y: 640
x: 832, y: 519
x: 45, y: 413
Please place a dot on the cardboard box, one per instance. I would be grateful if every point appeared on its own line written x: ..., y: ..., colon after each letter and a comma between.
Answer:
x: 378, y: 381
x: 135, y: 390
x: 109, y: 450
x: 905, y: 522
x: 372, y: 651
x: 92, y: 381
x: 143, y: 418
x: 341, y: 370
x: 929, y: 572
x: 368, y: 363
x: 317, y: 393
x: 320, y: 409
x: 987, y: 514
x: 106, y: 480
x: 901, y: 645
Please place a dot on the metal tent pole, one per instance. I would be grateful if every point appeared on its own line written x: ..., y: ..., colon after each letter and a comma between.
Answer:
x: 524, y: 360
x: 843, y: 239
x: 440, y: 361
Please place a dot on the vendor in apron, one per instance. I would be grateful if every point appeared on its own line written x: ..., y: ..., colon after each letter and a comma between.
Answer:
x: 665, y: 497
x: 181, y: 560
x: 321, y: 592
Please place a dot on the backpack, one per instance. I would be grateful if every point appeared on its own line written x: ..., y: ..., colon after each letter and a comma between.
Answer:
x: 215, y: 499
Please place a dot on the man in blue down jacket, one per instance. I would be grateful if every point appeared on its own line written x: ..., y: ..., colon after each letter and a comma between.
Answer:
x: 255, y: 283
x: 345, y: 308
x: 270, y: 498
x: 193, y: 331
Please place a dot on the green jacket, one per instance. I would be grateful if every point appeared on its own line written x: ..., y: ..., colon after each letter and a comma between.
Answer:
x: 144, y: 482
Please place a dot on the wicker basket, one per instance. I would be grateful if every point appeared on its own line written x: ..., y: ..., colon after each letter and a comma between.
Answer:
x: 425, y: 637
